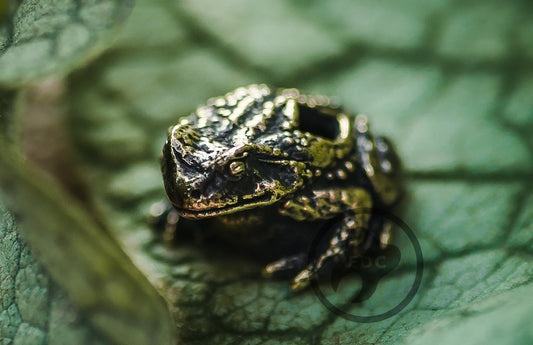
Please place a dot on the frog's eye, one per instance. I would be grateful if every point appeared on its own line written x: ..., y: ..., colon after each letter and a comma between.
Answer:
x: 236, y: 169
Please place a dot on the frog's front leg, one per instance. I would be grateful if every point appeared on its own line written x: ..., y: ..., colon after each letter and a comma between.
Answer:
x: 346, y: 240
x: 163, y: 218
x: 351, y: 207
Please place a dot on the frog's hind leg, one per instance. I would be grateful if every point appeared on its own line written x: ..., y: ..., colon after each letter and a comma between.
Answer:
x: 380, y: 162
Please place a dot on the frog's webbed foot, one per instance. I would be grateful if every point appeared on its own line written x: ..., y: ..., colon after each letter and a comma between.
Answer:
x: 163, y: 219
x: 303, y: 266
x: 286, y: 267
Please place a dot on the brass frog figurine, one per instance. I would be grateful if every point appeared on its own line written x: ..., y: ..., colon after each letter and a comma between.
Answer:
x: 274, y: 161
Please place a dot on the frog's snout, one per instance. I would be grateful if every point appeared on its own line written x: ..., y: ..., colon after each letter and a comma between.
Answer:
x: 168, y: 169
x: 183, y: 184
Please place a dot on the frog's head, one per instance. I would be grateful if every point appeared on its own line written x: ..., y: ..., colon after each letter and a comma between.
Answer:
x: 244, y: 151
x: 206, y: 177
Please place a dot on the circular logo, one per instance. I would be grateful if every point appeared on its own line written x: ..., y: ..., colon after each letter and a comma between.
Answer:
x: 371, y: 263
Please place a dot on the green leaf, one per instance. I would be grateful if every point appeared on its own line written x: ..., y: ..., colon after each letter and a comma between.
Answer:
x: 449, y: 83
x: 79, y: 256
x: 502, y: 320
x: 35, y: 310
x: 38, y: 38
x: 450, y: 91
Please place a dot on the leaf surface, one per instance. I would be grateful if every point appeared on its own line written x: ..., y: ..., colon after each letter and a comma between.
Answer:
x: 448, y: 82
x: 80, y: 257
x: 448, y: 90
x: 39, y: 38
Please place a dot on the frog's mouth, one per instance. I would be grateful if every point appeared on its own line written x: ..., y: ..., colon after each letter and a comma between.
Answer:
x: 199, y: 210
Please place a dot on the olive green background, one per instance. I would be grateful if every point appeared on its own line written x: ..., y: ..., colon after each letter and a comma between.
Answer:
x: 449, y: 82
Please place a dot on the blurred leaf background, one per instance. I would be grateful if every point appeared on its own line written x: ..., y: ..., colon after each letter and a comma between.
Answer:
x: 90, y: 87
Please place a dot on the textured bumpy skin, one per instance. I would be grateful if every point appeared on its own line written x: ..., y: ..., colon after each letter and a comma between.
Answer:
x: 278, y: 162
